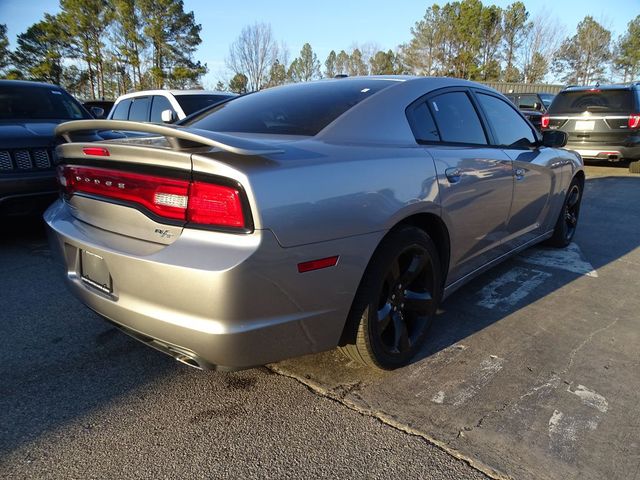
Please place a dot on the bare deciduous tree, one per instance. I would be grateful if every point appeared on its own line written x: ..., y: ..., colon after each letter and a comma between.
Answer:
x: 543, y: 40
x: 252, y: 54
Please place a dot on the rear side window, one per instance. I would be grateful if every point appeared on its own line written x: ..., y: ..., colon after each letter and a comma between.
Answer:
x: 139, y: 111
x: 509, y: 127
x: 422, y: 124
x: 615, y: 101
x: 160, y: 104
x: 121, y: 110
x: 296, y: 109
x: 456, y: 119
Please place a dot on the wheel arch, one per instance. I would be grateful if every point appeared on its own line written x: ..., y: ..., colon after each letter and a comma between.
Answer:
x: 433, y: 226
x: 580, y: 176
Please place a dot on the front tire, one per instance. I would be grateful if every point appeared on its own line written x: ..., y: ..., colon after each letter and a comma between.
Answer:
x: 396, y: 301
x: 567, y: 222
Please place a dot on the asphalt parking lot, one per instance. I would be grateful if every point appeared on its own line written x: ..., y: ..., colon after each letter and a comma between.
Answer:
x: 531, y: 372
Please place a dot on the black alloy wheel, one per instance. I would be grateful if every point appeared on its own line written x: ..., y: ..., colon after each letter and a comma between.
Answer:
x: 567, y: 222
x: 406, y: 300
x: 572, y: 210
x: 396, y: 300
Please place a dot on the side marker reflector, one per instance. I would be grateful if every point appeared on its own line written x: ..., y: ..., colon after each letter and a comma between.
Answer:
x: 318, y: 264
x: 96, y: 151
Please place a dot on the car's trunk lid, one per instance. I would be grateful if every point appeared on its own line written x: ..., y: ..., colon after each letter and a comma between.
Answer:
x: 140, y: 187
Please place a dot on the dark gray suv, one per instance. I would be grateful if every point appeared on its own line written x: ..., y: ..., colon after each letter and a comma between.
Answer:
x: 602, y: 122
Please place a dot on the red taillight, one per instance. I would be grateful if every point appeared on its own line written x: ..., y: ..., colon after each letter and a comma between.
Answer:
x: 544, y: 121
x: 634, y: 120
x: 196, y: 202
x: 211, y: 204
x: 96, y: 151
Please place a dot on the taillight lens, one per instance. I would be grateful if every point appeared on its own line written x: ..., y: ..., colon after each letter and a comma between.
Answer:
x: 544, y: 121
x: 195, y: 202
x: 211, y: 204
x: 634, y: 120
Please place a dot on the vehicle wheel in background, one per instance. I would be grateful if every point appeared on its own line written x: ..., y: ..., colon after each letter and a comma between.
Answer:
x: 634, y: 167
x: 567, y: 222
x: 396, y: 301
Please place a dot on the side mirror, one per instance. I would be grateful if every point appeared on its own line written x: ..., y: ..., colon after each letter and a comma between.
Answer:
x: 167, y: 116
x: 97, y: 112
x: 554, y: 138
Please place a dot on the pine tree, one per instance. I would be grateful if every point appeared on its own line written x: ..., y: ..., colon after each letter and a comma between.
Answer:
x: 627, y: 58
x: 514, y: 25
x: 306, y: 67
x: 239, y: 83
x: 174, y: 36
x: 39, y: 51
x: 583, y: 58
x: 330, y: 65
x: 85, y: 22
x: 5, y: 54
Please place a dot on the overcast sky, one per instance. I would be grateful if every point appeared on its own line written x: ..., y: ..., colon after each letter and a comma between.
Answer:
x: 326, y: 24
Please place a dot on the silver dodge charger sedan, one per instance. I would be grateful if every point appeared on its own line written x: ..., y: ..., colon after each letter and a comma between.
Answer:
x: 301, y: 218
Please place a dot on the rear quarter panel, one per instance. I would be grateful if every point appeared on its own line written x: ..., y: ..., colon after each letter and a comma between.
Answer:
x: 345, y: 190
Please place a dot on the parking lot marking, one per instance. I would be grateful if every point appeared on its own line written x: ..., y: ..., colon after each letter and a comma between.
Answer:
x: 480, y: 378
x: 509, y: 288
x: 438, y: 397
x: 570, y: 259
x: 590, y: 397
x: 564, y: 431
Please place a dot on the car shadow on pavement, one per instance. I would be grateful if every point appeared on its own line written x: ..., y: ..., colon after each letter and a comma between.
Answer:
x: 609, y: 229
x: 58, y: 360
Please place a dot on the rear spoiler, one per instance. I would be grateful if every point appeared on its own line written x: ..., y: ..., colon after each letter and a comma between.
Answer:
x: 178, y: 137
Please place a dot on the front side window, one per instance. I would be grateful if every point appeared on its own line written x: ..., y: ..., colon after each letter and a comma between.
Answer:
x: 139, y: 111
x: 509, y: 127
x: 457, y: 119
x: 159, y: 105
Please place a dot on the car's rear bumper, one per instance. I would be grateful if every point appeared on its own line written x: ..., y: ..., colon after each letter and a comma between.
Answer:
x: 26, y: 193
x: 611, y: 153
x: 216, y: 299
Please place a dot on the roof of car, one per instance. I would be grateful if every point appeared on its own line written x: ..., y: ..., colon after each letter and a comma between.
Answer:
x: 29, y: 83
x: 143, y: 93
x: 584, y: 88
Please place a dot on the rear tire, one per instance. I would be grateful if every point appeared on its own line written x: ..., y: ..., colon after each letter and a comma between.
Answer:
x: 634, y: 167
x: 396, y: 301
x: 567, y: 222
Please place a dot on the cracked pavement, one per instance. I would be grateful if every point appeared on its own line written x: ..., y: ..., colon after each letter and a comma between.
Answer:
x: 544, y: 387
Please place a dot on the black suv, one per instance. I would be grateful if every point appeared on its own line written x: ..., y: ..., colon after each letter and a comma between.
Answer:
x: 602, y: 122
x: 29, y: 113
x: 532, y: 105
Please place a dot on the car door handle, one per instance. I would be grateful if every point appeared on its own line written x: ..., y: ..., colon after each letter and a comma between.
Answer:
x: 453, y: 174
x: 520, y: 173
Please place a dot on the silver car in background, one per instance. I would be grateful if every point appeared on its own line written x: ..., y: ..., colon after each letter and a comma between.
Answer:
x: 306, y: 217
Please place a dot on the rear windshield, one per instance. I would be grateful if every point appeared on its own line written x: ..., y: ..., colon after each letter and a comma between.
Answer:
x: 547, y: 98
x: 38, y: 102
x: 593, y: 101
x: 192, y: 103
x: 298, y: 109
